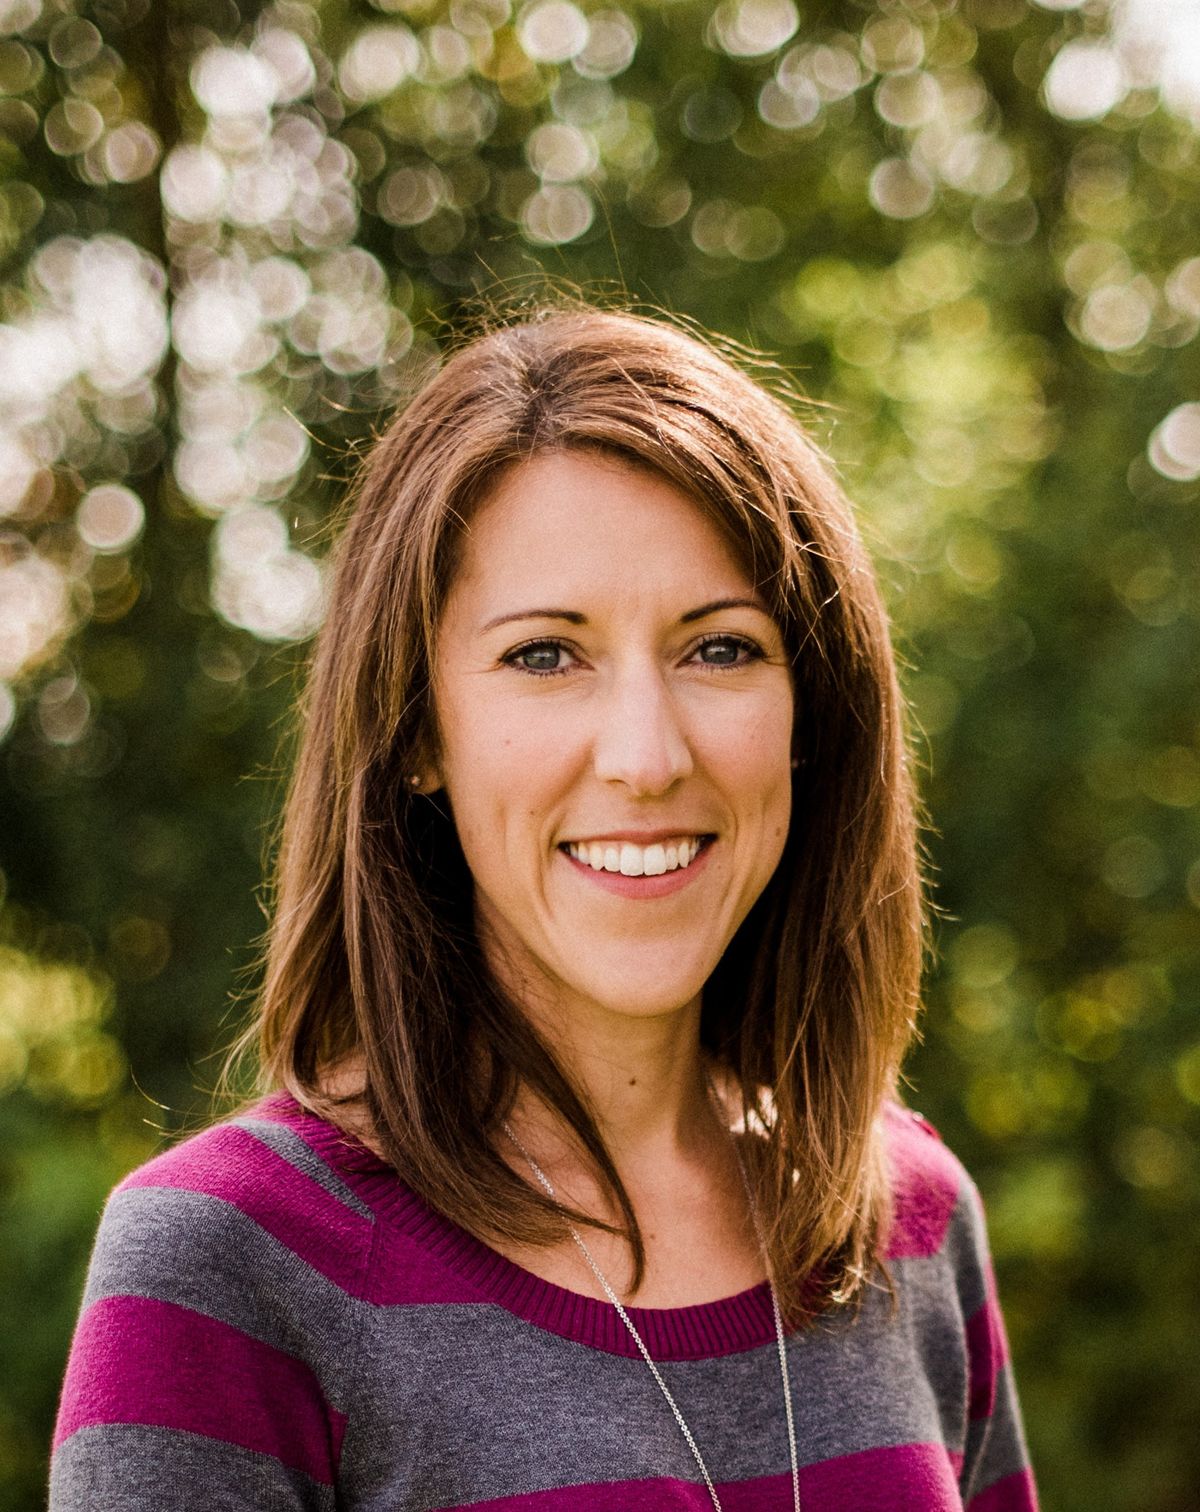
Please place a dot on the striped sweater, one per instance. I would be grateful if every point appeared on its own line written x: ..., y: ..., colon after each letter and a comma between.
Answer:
x: 273, y: 1320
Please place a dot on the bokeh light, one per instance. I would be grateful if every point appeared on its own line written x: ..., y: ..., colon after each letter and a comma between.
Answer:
x: 110, y: 517
x: 378, y: 60
x: 1175, y: 444
x: 751, y: 28
x: 552, y: 31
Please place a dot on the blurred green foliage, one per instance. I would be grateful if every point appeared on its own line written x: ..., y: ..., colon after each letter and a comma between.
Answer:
x: 233, y: 237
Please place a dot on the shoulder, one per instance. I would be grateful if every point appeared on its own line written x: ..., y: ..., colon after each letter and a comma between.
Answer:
x: 934, y: 1202
x: 255, y: 1195
x: 938, y: 1236
x: 219, y: 1311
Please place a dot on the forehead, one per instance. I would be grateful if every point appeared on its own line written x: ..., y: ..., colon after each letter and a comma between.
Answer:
x: 592, y: 523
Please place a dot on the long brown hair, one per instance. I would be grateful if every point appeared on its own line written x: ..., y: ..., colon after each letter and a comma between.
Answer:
x: 371, y: 951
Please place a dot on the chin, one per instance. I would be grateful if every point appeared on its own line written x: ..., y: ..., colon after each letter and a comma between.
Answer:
x: 639, y: 998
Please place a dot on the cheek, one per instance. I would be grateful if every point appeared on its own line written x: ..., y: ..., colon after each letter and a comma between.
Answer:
x: 759, y: 775
x: 473, y: 744
x: 495, y: 783
x: 754, y: 747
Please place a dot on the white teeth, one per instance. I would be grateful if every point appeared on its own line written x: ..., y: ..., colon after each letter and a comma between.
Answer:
x: 636, y: 860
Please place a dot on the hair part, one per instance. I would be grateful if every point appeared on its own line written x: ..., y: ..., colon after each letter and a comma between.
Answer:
x: 371, y: 951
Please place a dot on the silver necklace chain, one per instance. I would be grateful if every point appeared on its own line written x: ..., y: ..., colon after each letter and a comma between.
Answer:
x: 637, y: 1338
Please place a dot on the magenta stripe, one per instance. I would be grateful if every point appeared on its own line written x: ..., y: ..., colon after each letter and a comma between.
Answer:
x: 1015, y: 1493
x: 987, y: 1350
x: 467, y: 1271
x: 908, y: 1478
x: 926, y: 1179
x: 231, y: 1165
x: 904, y: 1478
x: 139, y: 1361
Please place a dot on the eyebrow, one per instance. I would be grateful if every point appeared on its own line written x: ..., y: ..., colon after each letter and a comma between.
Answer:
x: 573, y: 616
x: 726, y: 603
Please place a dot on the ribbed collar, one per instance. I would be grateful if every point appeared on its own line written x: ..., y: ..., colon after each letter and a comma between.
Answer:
x: 729, y: 1325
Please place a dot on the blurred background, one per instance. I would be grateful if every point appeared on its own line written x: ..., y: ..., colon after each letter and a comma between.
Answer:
x: 235, y: 235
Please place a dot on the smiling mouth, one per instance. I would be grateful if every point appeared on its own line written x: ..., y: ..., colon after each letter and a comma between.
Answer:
x: 622, y: 858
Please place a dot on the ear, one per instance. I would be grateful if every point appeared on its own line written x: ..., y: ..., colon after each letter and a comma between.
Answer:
x: 425, y: 775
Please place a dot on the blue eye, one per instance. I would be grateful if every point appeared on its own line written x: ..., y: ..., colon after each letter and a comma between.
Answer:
x: 538, y: 657
x: 733, y: 646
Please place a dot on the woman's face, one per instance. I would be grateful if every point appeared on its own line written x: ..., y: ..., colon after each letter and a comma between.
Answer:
x: 614, y: 708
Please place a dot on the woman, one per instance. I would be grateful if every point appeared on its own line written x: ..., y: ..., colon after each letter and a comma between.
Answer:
x: 595, y: 952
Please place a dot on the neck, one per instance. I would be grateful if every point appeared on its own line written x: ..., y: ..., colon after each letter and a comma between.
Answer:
x: 640, y: 1075
x: 643, y: 1081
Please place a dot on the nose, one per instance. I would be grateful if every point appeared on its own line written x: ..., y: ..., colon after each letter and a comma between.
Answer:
x: 640, y: 738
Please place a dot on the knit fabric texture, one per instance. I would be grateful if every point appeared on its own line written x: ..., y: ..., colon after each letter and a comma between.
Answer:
x: 273, y: 1320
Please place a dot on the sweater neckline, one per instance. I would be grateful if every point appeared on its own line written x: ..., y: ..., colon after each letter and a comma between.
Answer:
x: 701, y: 1330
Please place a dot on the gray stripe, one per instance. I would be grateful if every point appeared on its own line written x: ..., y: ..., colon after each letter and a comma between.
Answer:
x: 964, y: 1246
x: 287, y: 1143
x: 142, y: 1469
x: 467, y: 1403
